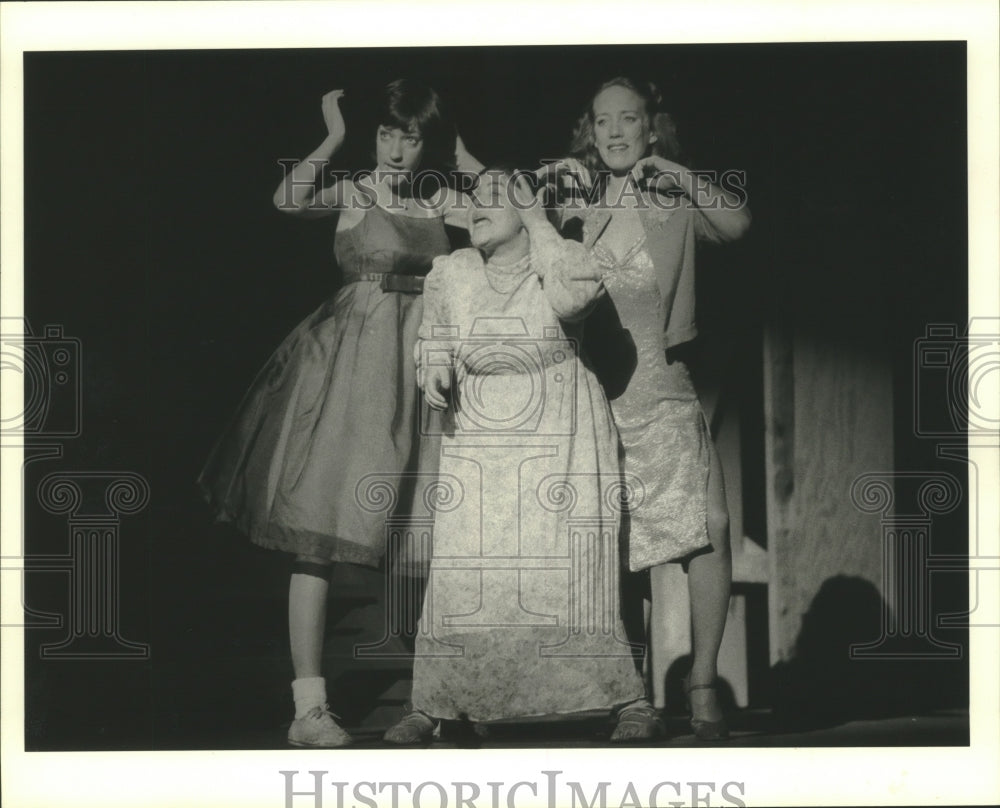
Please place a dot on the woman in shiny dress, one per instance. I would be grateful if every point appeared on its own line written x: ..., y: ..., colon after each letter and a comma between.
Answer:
x: 642, y: 215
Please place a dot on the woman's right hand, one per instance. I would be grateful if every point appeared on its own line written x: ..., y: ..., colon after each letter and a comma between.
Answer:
x: 568, y: 172
x: 437, y: 384
x: 529, y: 204
x: 333, y: 117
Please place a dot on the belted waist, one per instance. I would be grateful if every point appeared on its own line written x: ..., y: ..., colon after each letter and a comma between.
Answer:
x: 390, y: 281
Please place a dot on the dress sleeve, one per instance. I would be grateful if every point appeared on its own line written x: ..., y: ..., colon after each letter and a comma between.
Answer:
x: 435, y: 343
x: 571, y: 278
x: 704, y: 230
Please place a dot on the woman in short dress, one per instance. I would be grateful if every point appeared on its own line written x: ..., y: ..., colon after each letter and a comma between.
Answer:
x: 336, y: 405
x: 642, y: 216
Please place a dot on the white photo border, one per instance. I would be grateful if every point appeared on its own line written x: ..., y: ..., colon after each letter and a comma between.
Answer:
x: 785, y: 776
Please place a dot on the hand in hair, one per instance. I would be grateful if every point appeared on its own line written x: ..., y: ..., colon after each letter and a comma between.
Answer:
x: 569, y: 172
x: 528, y: 203
x: 724, y: 211
x: 464, y: 161
x: 658, y: 171
x: 333, y: 117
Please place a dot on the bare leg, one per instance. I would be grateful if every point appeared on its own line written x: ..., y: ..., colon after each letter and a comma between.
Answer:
x: 314, y: 724
x: 710, y: 577
x: 639, y: 720
x: 307, y: 595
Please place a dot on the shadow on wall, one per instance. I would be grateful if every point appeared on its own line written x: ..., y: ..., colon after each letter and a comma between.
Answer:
x: 823, y: 684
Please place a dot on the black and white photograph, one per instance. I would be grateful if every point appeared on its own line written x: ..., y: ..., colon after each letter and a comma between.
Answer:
x: 508, y: 420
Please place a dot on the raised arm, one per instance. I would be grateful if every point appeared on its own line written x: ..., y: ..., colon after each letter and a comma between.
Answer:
x: 464, y: 161
x: 724, y: 213
x: 572, y: 184
x: 571, y: 278
x: 299, y: 193
x: 454, y: 205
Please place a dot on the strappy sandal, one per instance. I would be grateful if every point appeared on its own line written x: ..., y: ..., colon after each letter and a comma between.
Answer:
x: 705, y: 730
x: 413, y: 728
x: 638, y: 721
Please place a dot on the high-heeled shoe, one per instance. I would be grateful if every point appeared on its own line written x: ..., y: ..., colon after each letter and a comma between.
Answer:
x: 704, y: 730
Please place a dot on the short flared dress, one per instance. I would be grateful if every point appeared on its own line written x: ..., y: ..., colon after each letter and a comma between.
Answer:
x: 325, y: 449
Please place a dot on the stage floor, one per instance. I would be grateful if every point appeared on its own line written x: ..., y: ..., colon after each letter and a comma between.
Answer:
x: 750, y: 728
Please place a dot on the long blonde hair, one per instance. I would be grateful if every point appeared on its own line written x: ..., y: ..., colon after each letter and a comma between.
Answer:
x: 666, y: 145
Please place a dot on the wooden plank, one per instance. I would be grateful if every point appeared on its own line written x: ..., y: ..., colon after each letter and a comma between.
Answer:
x: 828, y: 419
x: 751, y: 564
x: 779, y: 468
x: 844, y: 428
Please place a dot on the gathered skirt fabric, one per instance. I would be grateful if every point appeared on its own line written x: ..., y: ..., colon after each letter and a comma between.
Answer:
x: 324, y: 456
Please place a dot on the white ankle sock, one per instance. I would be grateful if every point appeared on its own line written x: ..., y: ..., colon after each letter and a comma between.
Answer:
x: 308, y: 693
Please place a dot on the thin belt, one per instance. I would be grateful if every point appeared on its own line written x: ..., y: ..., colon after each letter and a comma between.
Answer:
x: 390, y: 282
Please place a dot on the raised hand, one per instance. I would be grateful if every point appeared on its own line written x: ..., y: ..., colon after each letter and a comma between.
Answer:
x: 659, y: 171
x: 568, y: 172
x: 528, y: 203
x: 463, y: 160
x: 333, y: 117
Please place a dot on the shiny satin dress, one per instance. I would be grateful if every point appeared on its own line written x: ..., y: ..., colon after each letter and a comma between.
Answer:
x: 324, y: 446
x: 660, y: 421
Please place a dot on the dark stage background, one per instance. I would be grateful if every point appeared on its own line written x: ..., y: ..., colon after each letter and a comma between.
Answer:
x: 151, y: 237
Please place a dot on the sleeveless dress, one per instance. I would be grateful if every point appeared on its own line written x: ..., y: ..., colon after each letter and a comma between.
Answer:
x: 522, y: 614
x: 660, y: 422
x: 323, y: 448
x: 650, y: 310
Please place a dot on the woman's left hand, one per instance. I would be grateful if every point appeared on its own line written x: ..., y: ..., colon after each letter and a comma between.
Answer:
x: 464, y: 161
x: 528, y: 204
x: 662, y: 173
x: 724, y: 211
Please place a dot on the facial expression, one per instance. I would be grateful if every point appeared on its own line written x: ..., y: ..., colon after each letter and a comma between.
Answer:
x: 493, y: 219
x: 397, y: 151
x: 621, y: 128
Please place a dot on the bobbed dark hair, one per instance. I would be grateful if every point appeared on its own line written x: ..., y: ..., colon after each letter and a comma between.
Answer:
x: 411, y: 105
x: 666, y: 145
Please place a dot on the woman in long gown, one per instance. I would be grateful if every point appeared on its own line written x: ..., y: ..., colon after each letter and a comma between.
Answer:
x: 521, y: 616
x: 336, y: 404
x: 644, y: 215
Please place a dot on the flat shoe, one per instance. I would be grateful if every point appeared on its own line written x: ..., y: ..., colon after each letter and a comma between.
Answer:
x: 413, y: 728
x: 638, y: 721
x: 318, y: 728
